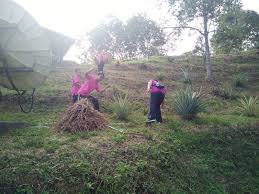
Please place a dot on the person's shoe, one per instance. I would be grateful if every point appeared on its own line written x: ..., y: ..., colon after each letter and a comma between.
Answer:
x: 151, y: 121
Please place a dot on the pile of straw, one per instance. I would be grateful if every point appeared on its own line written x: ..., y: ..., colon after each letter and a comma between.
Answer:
x: 81, y: 116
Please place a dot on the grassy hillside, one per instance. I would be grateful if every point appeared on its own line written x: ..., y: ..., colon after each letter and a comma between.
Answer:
x: 217, y: 152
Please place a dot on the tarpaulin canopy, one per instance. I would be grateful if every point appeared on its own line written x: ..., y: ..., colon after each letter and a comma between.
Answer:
x: 27, y: 51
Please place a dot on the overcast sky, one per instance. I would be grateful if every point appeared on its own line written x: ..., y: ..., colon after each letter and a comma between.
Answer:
x: 75, y: 17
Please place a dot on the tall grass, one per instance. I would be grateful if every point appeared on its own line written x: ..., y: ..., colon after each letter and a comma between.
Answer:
x: 248, y: 106
x: 160, y: 76
x: 121, y: 107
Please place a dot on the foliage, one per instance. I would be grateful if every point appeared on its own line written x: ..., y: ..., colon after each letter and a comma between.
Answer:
x: 248, y: 106
x: 207, y: 11
x: 199, y: 48
x: 145, y: 37
x: 121, y: 107
x: 160, y: 76
x: 238, y: 30
x: 139, y: 36
x: 188, y: 104
x: 186, y: 76
x: 239, y: 80
x: 225, y: 92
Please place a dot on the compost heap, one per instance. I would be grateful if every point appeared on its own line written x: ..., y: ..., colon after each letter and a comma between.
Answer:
x: 81, y: 116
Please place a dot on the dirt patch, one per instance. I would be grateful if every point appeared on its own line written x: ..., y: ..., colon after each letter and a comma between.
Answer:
x: 8, y: 125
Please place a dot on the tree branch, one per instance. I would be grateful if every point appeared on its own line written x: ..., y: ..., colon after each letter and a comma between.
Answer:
x: 185, y: 27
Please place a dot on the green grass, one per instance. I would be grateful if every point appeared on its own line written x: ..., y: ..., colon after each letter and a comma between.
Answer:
x: 221, y: 161
x: 224, y: 120
x: 217, y: 152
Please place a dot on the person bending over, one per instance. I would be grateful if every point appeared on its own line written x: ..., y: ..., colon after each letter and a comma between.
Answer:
x: 101, y: 60
x: 157, y: 95
x: 76, y: 84
x: 90, y: 85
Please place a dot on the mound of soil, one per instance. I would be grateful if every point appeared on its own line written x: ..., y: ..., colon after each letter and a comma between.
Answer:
x: 81, y: 116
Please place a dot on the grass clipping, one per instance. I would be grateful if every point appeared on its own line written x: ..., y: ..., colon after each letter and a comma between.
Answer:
x: 81, y: 116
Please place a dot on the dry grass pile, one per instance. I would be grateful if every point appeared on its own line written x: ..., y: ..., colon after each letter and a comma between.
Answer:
x: 81, y: 116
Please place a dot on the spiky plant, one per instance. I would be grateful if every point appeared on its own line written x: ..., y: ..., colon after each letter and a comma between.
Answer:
x: 248, y: 106
x: 239, y: 80
x: 121, y: 107
x: 160, y: 76
x: 186, y: 76
x: 188, y: 104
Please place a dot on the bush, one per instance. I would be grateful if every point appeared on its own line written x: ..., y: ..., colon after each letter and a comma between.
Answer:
x: 188, y: 104
x: 142, y: 66
x: 225, y: 92
x: 248, y: 106
x: 160, y: 76
x: 239, y: 80
x: 121, y: 107
x: 186, y: 77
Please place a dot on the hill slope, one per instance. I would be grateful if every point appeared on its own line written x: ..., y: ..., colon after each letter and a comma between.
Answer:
x: 215, y: 153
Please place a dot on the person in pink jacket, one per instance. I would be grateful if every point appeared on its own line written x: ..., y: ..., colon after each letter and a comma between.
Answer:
x: 157, y: 94
x: 101, y: 59
x: 76, y: 84
x: 91, y: 84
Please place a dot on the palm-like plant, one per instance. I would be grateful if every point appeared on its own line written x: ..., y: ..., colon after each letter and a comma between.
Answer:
x: 248, y: 106
x: 188, y: 104
x: 186, y: 76
x: 239, y: 80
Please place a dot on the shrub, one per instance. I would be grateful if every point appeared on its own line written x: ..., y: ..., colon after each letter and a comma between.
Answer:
x: 121, y: 107
x: 188, y: 104
x: 118, y: 92
x: 186, y: 77
x: 225, y: 92
x: 248, y: 106
x: 239, y: 80
x: 160, y: 76
x: 142, y: 66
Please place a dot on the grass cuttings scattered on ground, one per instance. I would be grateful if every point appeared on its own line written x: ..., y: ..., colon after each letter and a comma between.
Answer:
x: 81, y: 116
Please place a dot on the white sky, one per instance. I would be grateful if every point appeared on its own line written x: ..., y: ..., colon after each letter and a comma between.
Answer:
x: 75, y: 17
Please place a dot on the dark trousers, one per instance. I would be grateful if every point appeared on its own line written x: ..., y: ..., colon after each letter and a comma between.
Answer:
x: 94, y: 101
x: 100, y: 66
x: 156, y: 100
x: 74, y: 98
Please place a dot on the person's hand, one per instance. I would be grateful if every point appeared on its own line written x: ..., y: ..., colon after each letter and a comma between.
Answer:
x: 89, y: 70
x: 103, y: 90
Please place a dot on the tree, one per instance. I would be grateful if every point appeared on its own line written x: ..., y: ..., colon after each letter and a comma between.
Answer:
x: 108, y: 36
x: 139, y: 36
x: 205, y: 11
x: 145, y: 37
x: 237, y: 31
x: 199, y: 48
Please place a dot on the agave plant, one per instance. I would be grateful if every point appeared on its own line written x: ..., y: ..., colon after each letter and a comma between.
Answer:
x: 160, y: 76
x: 188, y: 104
x: 239, y: 80
x: 121, y: 107
x: 248, y: 106
x: 186, y: 76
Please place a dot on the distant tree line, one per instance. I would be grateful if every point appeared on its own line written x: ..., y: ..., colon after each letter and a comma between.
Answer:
x: 237, y: 30
x: 223, y: 27
x: 137, y: 37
